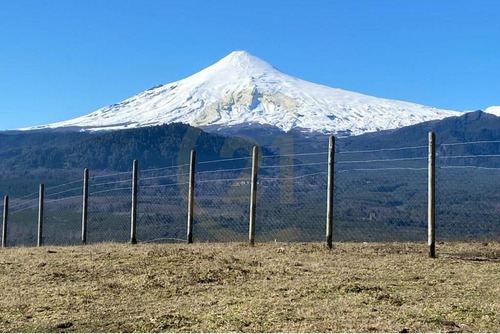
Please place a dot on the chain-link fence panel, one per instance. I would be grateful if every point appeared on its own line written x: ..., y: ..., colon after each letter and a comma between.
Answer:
x: 467, y: 203
x: 291, y: 209
x: 291, y: 198
x: 162, y: 205
x: 22, y: 224
x: 63, y: 221
x: 381, y: 195
x: 380, y: 205
x: 221, y: 208
x: 22, y: 227
x: 62, y: 217
x: 467, y: 191
x: 109, y: 207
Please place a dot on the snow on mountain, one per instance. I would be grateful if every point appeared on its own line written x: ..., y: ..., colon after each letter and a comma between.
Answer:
x: 243, y: 89
x: 495, y: 110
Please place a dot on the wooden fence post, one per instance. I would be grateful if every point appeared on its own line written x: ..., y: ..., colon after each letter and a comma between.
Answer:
x: 4, y: 222
x: 431, y: 204
x: 191, y: 197
x: 85, y: 205
x: 133, y: 212
x: 41, y: 195
x: 253, y: 195
x: 330, y: 192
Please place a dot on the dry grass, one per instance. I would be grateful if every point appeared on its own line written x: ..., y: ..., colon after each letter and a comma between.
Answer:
x: 232, y: 287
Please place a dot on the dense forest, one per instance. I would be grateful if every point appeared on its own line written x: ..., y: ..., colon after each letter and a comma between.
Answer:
x: 153, y: 146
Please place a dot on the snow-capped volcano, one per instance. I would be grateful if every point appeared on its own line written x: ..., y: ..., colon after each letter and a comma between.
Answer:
x: 243, y: 89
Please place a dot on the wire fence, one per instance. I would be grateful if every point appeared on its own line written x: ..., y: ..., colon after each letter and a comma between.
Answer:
x: 468, y: 193
x: 379, y: 195
x: 22, y: 227
x: 162, y: 194
x: 291, y: 198
x: 109, y: 206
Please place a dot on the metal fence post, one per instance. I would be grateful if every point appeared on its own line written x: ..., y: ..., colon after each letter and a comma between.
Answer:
x: 253, y: 195
x: 191, y: 197
x: 431, y: 204
x: 133, y: 212
x: 41, y: 195
x: 330, y: 192
x: 85, y: 205
x: 4, y: 222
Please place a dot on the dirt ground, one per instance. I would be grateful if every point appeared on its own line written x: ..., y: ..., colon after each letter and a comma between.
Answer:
x: 272, y: 287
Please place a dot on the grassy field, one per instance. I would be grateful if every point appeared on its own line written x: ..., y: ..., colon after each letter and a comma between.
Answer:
x: 232, y: 287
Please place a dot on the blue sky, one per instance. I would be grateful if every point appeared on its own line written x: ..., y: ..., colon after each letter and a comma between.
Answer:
x: 61, y: 59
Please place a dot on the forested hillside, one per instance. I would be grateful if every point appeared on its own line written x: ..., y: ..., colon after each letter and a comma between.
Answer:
x: 153, y: 146
x: 29, y: 158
